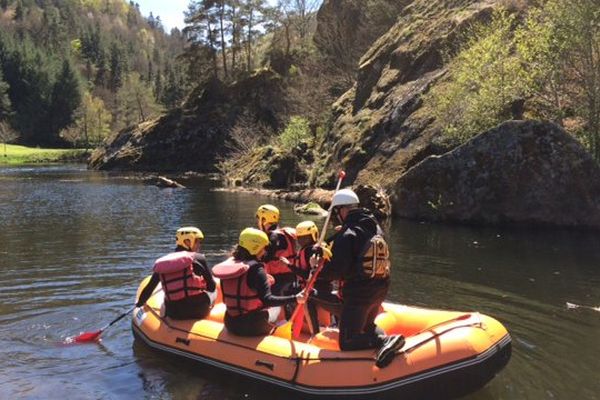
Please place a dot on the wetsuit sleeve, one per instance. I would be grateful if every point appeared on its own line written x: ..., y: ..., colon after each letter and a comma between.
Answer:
x: 147, y: 291
x: 343, y: 257
x: 257, y: 280
x: 276, y: 242
x: 200, y: 267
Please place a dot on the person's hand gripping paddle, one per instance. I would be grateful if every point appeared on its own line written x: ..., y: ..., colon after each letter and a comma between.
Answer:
x: 291, y: 329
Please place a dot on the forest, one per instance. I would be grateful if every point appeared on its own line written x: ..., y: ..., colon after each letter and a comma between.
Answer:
x: 72, y: 72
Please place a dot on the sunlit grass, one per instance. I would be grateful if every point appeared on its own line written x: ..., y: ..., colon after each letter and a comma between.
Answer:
x: 14, y: 154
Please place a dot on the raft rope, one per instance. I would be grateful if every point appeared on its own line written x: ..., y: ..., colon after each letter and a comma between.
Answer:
x: 301, y: 358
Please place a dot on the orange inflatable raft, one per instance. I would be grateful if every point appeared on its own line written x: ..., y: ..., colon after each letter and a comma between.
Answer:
x: 447, y: 354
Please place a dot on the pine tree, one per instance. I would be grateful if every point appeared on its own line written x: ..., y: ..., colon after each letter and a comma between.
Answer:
x: 65, y: 99
x: 5, y: 105
x: 19, y: 11
x: 117, y: 66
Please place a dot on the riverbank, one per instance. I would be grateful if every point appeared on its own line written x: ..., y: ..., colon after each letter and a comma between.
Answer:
x: 16, y: 155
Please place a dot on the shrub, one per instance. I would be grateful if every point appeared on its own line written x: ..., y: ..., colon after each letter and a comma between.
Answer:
x: 296, y: 131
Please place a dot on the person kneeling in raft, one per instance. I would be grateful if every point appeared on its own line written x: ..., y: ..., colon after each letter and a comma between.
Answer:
x: 252, y: 309
x: 185, y: 277
x: 361, y: 262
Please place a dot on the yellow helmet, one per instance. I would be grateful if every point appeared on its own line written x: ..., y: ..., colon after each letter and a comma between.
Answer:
x: 267, y: 214
x: 306, y: 228
x: 190, y: 234
x: 253, y: 240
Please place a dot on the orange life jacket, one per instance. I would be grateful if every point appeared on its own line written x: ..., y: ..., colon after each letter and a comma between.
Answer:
x: 177, y: 276
x: 276, y: 267
x: 237, y: 295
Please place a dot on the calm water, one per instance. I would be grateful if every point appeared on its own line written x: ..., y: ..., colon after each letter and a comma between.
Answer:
x: 74, y: 246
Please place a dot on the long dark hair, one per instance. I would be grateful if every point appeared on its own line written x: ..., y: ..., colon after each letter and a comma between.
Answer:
x: 241, y: 254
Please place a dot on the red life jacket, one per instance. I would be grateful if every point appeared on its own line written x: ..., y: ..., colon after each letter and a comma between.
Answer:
x: 237, y: 295
x: 276, y: 267
x: 302, y: 264
x: 177, y: 276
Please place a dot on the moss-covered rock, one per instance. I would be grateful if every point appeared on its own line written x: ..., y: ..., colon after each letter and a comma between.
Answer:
x: 380, y: 128
x: 193, y: 137
x: 521, y: 172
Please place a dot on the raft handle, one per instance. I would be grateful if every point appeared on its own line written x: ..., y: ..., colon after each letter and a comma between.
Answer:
x: 265, y: 364
x: 182, y: 340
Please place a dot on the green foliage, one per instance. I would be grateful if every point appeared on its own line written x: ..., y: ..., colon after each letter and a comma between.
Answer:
x: 485, y: 77
x: 296, y: 132
x: 92, y: 123
x: 551, y: 59
x: 136, y: 102
x: 5, y: 105
x: 65, y: 98
x: 104, y: 39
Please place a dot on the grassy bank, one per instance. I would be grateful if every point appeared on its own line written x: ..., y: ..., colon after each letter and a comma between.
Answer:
x: 28, y: 155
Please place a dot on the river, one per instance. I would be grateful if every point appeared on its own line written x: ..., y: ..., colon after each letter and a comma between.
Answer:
x: 74, y: 245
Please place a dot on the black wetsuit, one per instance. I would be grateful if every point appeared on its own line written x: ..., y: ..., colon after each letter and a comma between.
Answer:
x: 256, y: 323
x: 361, y: 296
x: 192, y: 307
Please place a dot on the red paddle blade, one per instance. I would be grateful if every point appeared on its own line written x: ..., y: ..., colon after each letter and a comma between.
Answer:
x: 85, y: 337
x: 342, y: 174
x: 297, y: 323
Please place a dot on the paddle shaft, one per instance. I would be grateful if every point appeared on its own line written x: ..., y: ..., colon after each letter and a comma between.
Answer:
x: 313, y: 276
x: 114, y: 321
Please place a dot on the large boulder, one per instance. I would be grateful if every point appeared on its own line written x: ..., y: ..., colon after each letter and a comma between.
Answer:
x: 521, y: 172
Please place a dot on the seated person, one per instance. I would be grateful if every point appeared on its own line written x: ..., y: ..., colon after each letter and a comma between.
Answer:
x: 307, y: 236
x: 282, y: 247
x: 252, y: 309
x: 185, y: 278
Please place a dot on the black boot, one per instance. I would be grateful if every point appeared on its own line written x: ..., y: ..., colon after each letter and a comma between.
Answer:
x: 387, y: 351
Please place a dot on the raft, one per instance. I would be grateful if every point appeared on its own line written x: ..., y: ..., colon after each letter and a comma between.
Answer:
x: 447, y: 353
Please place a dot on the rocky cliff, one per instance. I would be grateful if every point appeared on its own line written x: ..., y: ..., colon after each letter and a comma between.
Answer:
x: 380, y: 128
x: 193, y: 136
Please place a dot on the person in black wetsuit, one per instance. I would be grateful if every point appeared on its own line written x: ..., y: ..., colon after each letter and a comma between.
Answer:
x: 361, y: 262
x: 252, y: 309
x: 281, y: 250
x: 189, y: 289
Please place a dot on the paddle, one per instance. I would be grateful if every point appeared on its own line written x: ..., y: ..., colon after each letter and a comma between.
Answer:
x: 292, y: 328
x: 87, y: 337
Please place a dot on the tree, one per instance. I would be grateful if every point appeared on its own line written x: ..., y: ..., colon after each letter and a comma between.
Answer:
x: 5, y: 105
x: 65, y: 99
x: 7, y: 135
x: 201, y: 34
x: 252, y: 18
x: 136, y: 101
x: 117, y: 67
x: 19, y: 11
x: 92, y: 123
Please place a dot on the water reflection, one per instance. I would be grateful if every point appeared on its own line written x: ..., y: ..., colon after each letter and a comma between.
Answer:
x: 75, y: 244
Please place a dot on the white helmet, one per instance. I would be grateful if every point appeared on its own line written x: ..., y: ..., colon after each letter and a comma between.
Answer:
x: 344, y: 197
